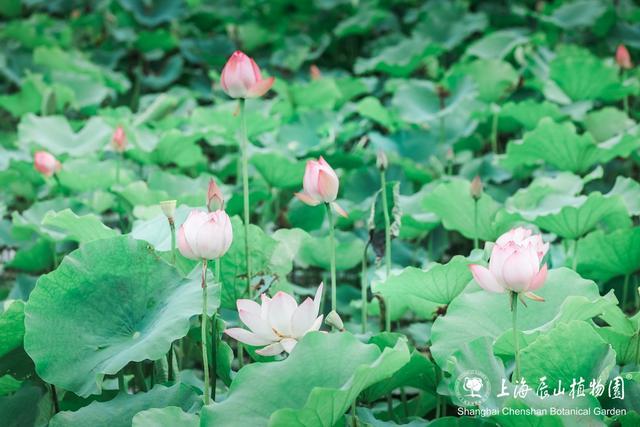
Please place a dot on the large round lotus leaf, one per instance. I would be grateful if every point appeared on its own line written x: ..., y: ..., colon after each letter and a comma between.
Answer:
x: 110, y: 302
x: 314, y: 386
x: 119, y: 412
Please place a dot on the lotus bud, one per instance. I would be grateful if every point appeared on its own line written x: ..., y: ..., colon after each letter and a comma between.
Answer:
x: 215, y: 200
x: 623, y: 58
x: 241, y: 77
x: 119, y: 140
x: 46, y: 163
x: 168, y: 208
x: 333, y: 319
x: 315, y: 73
x: 476, y: 188
x: 320, y: 184
x: 205, y: 235
x: 515, y: 264
x: 382, y: 162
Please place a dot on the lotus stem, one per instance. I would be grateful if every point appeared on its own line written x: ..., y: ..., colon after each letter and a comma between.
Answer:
x: 387, y: 222
x: 140, y: 377
x: 625, y: 291
x: 332, y: 242
x: 364, y: 285
x: 121, y: 384
x: 214, y: 341
x: 494, y: 133
x: 203, y: 335
x: 170, y: 357
x: 118, y: 166
x: 172, y: 227
x: 244, y: 144
x: 476, y: 244
x: 54, y: 399
x: 516, y: 338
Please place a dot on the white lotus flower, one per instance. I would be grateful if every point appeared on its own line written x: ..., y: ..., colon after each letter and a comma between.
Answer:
x: 278, y: 323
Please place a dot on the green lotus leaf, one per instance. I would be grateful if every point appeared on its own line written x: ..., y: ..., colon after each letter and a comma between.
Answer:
x: 170, y: 416
x: 11, y: 327
x: 498, y: 44
x: 278, y: 170
x: 54, y: 134
x: 399, y: 59
x: 576, y: 220
x: 583, y: 76
x: 575, y: 14
x: 559, y: 145
x: 178, y: 148
x: 110, y: 302
x: 528, y: 113
x: 9, y: 385
x: 629, y: 190
x: 494, y: 78
x: 546, y: 194
x: 423, y: 291
x: 315, y: 251
x: 33, y: 91
x: 155, y: 13
x: 156, y: 230
x: 607, y: 123
x: 120, y: 411
x: 371, y: 108
x: 603, y: 256
x: 363, y: 21
x: 323, y: 375
x: 31, y: 397
x: 82, y: 229
x: 452, y: 202
x: 448, y: 23
x: 460, y: 324
x: 164, y: 74
x: 567, y: 352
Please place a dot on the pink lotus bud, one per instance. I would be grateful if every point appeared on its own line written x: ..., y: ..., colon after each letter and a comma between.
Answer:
x: 623, y: 58
x: 215, y: 200
x: 119, y: 140
x: 514, y: 264
x: 46, y: 163
x: 315, y: 73
x: 241, y: 77
x: 278, y: 323
x: 320, y: 185
x: 476, y: 188
x: 205, y: 235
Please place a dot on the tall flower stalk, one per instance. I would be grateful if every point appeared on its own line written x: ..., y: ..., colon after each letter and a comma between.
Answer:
x: 321, y: 184
x: 205, y: 236
x: 476, y: 193
x: 241, y: 79
x: 514, y: 267
x: 383, y: 163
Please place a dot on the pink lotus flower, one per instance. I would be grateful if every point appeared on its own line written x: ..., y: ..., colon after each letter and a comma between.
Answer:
x: 205, y: 235
x: 278, y: 323
x: 514, y: 264
x: 46, y: 163
x: 320, y: 184
x: 215, y: 199
x: 119, y: 140
x: 623, y: 58
x: 241, y: 77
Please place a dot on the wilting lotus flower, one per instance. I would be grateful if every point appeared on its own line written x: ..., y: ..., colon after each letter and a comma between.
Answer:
x: 241, y: 77
x: 514, y: 264
x: 278, y: 323
x: 623, y: 58
x: 119, y: 140
x: 205, y: 235
x: 46, y: 163
x: 320, y: 184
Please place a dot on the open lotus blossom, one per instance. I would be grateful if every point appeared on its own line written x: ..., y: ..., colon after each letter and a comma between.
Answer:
x: 241, y: 77
x: 119, y: 140
x: 278, y: 323
x: 514, y: 264
x: 320, y: 184
x: 46, y: 163
x: 623, y: 58
x: 205, y: 235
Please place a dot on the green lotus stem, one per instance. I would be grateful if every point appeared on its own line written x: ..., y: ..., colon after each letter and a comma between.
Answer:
x: 403, y: 398
x: 203, y: 333
x: 387, y: 222
x: 118, y: 161
x: 214, y: 341
x: 638, y: 347
x: 244, y: 146
x: 139, y: 374
x: 172, y: 226
x: 170, y: 373
x: 54, y: 399
x: 625, y: 291
x: 574, y: 261
x: 121, y: 384
x: 364, y: 285
x: 636, y: 297
x: 161, y: 370
x: 516, y: 338
x: 332, y: 242
x: 438, y: 396
x: 494, y: 133
x: 354, y: 417
x: 476, y: 245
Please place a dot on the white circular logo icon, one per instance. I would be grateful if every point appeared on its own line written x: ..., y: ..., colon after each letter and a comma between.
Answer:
x: 472, y: 388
